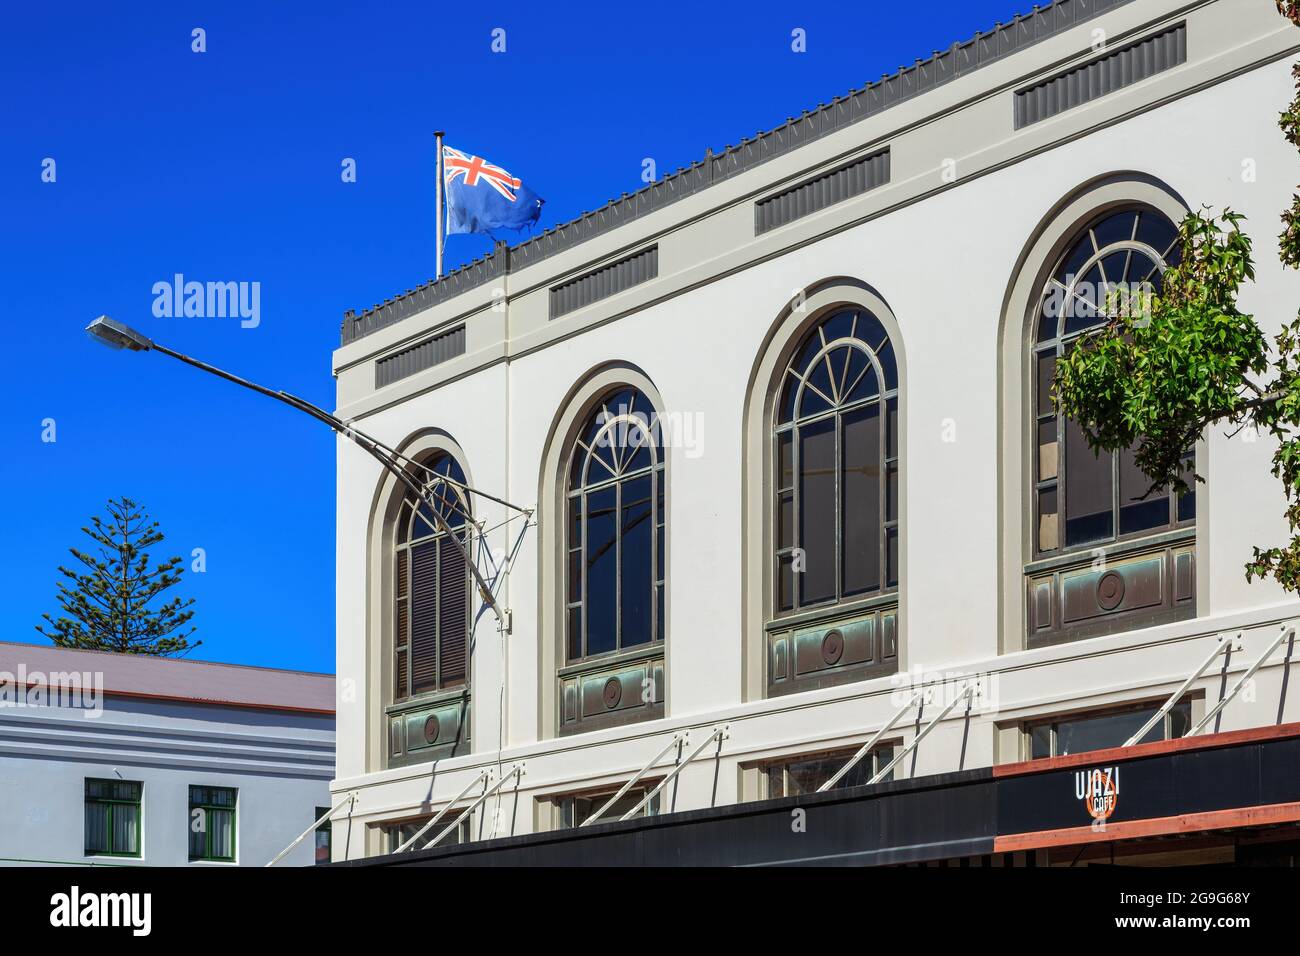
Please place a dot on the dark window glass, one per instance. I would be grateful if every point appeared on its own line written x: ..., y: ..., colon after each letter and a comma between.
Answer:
x: 1089, y: 501
x: 785, y: 520
x: 804, y: 775
x: 785, y: 462
x: 637, y: 583
x: 323, y: 834
x: 1102, y: 731
x: 616, y: 540
x: 1107, y: 266
x: 785, y: 582
x: 602, y: 570
x: 1040, y: 741
x: 836, y: 467
x: 860, y: 500
x: 817, y: 527
x: 1138, y: 513
x: 575, y: 633
x: 396, y: 834
x: 575, y: 810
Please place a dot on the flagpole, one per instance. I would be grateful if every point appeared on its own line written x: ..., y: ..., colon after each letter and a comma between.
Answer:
x: 437, y: 138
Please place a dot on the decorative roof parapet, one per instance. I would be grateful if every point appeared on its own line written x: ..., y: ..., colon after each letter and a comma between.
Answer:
x: 909, y: 81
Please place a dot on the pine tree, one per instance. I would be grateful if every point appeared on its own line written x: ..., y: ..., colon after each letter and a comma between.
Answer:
x: 108, y: 604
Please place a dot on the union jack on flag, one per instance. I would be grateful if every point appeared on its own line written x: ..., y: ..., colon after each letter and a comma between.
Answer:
x: 482, y: 196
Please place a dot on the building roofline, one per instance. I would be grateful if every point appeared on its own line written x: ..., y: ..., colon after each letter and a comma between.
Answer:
x: 908, y: 82
x: 146, y: 677
x: 170, y: 660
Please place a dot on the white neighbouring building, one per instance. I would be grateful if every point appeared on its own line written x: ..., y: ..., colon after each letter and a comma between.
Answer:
x: 860, y: 488
x: 130, y: 760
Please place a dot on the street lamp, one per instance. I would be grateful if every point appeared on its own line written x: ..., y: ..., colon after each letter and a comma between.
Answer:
x: 116, y: 335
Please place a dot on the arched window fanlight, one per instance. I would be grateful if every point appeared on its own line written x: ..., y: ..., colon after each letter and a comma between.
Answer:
x: 836, y: 465
x: 1082, y: 499
x: 615, y: 529
x: 432, y: 586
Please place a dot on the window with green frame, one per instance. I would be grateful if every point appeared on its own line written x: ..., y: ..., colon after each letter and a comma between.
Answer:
x: 113, y: 817
x: 212, y: 823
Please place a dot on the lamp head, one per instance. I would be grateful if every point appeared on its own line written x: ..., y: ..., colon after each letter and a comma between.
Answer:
x: 118, y: 336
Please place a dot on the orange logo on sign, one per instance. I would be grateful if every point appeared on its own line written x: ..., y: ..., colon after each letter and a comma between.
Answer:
x: 1099, y: 791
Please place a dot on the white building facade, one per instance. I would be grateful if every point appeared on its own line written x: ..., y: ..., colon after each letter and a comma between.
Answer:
x: 128, y: 760
x: 858, y: 486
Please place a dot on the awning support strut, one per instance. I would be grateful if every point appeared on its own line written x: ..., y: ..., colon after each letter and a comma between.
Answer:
x: 443, y: 812
x: 720, y: 733
x: 681, y: 737
x: 1284, y: 632
x: 349, y: 798
x: 1224, y: 645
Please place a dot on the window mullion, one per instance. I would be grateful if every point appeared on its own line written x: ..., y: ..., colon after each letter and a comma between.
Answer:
x: 582, y: 556
x: 618, y: 566
x: 796, y: 531
x: 1062, y: 483
x: 839, y: 507
x: 882, y: 503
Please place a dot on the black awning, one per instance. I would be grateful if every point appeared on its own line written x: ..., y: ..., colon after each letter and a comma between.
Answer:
x: 1239, y: 779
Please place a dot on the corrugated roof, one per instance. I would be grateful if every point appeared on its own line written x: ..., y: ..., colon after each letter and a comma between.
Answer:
x: 959, y: 60
x: 165, y: 678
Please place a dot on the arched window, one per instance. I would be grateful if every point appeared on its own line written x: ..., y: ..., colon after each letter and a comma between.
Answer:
x: 1083, y: 499
x: 836, y: 461
x: 432, y: 587
x: 616, y: 530
x: 834, y: 506
x: 1084, y: 504
x: 612, y: 659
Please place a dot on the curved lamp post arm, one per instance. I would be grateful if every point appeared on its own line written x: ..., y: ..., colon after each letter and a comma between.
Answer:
x: 117, y: 335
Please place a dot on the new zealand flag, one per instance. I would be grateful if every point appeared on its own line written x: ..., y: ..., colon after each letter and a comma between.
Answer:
x: 482, y: 197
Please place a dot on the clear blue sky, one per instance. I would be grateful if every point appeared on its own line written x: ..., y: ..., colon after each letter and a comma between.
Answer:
x: 225, y: 166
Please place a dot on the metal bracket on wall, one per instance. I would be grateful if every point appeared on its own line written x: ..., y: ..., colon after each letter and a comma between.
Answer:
x: 1287, y: 630
x: 875, y: 738
x: 1225, y: 645
x: 924, y: 695
x: 720, y: 733
x: 483, y: 776
x: 350, y: 799
x: 516, y: 770
x: 967, y: 691
x: 681, y: 738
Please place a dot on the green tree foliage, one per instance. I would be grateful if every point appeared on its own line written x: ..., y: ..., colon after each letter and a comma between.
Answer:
x: 1156, y: 376
x: 108, y: 604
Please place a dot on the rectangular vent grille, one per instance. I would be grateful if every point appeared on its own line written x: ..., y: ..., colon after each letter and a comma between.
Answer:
x: 606, y: 281
x: 825, y: 190
x: 1106, y: 74
x: 417, y: 358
